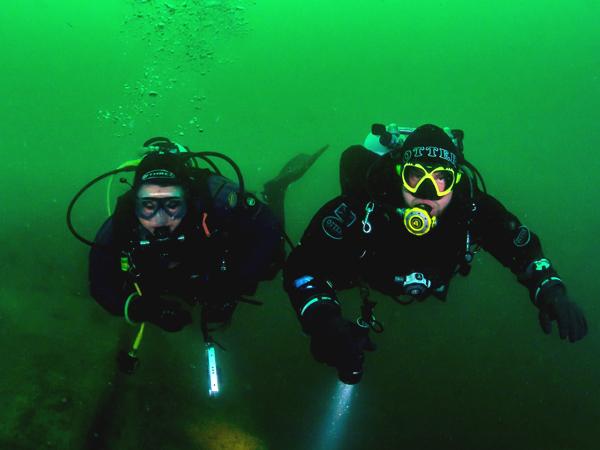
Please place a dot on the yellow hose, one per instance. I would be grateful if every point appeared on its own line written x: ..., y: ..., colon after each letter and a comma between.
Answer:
x: 138, y: 339
x: 140, y: 334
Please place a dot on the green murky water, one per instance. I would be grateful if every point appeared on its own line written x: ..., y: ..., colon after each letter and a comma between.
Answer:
x: 83, y: 84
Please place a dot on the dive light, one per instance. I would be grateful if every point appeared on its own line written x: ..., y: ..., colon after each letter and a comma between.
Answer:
x: 213, y: 377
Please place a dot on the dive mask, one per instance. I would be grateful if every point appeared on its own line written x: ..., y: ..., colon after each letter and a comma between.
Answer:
x: 427, y: 182
x: 149, y: 207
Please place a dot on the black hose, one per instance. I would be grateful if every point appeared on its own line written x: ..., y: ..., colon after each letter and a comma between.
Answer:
x: 478, y: 178
x: 81, y: 191
x: 212, y: 165
x: 231, y: 162
x: 202, y: 155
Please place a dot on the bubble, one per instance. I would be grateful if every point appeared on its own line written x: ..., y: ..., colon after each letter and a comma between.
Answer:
x: 180, y: 37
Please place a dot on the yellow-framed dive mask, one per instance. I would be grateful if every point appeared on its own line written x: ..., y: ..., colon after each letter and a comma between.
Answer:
x: 418, y: 179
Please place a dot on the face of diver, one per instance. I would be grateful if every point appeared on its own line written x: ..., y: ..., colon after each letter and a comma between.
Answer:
x: 437, y: 206
x: 415, y: 176
x: 160, y: 206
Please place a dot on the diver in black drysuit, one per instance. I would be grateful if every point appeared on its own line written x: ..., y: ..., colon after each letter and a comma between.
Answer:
x: 222, y: 247
x: 360, y: 239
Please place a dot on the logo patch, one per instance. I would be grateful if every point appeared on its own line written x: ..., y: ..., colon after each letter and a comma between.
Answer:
x: 345, y: 214
x: 542, y: 264
x: 232, y: 199
x: 158, y: 173
x: 523, y: 237
x: 429, y: 152
x: 332, y: 227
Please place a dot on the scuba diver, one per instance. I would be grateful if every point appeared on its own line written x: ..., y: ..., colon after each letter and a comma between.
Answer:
x: 184, y: 236
x: 411, y: 215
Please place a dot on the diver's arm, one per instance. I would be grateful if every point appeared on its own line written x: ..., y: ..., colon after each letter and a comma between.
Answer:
x: 260, y: 249
x: 105, y: 276
x: 325, y: 260
x: 255, y: 239
x: 502, y: 234
x: 518, y: 248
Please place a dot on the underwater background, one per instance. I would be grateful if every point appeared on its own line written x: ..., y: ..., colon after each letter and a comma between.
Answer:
x: 84, y: 84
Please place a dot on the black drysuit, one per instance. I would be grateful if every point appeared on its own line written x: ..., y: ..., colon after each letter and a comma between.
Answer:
x: 344, y: 244
x: 223, y: 251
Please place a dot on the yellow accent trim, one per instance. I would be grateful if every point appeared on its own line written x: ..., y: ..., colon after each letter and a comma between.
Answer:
x: 137, y: 293
x: 126, y: 308
x: 132, y: 162
x: 427, y: 225
x: 124, y: 264
x: 138, y: 339
x: 140, y: 334
x: 456, y: 175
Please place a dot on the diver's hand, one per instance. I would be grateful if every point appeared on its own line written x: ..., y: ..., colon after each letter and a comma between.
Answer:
x: 341, y: 344
x: 167, y: 314
x: 554, y: 304
x: 220, y: 309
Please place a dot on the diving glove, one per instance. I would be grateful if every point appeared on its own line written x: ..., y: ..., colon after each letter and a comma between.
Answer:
x: 554, y: 305
x: 220, y: 310
x: 167, y: 314
x: 341, y: 344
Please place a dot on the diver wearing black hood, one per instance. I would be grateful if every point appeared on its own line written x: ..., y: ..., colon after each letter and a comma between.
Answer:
x: 183, y: 235
x: 410, y: 217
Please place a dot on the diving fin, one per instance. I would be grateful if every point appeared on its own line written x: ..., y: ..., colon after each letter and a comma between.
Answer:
x: 292, y: 171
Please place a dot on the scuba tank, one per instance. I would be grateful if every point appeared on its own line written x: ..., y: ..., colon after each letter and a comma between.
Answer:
x: 384, y: 138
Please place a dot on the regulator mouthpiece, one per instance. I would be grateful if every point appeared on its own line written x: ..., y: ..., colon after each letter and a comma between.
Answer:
x: 417, y: 220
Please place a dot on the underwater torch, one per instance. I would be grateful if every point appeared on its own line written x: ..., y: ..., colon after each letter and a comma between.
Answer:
x: 213, y: 377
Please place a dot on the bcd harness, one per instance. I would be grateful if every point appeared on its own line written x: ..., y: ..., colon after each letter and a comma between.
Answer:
x: 202, y: 233
x: 416, y: 285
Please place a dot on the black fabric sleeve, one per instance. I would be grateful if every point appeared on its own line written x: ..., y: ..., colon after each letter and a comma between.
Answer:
x: 260, y: 251
x: 502, y: 234
x: 255, y: 236
x: 326, y: 259
x: 106, y: 280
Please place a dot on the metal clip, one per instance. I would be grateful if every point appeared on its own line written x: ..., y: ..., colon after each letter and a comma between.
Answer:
x: 366, y: 224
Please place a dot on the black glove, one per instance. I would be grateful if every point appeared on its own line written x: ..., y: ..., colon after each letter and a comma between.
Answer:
x: 220, y: 310
x: 341, y: 344
x: 554, y: 304
x: 167, y: 314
